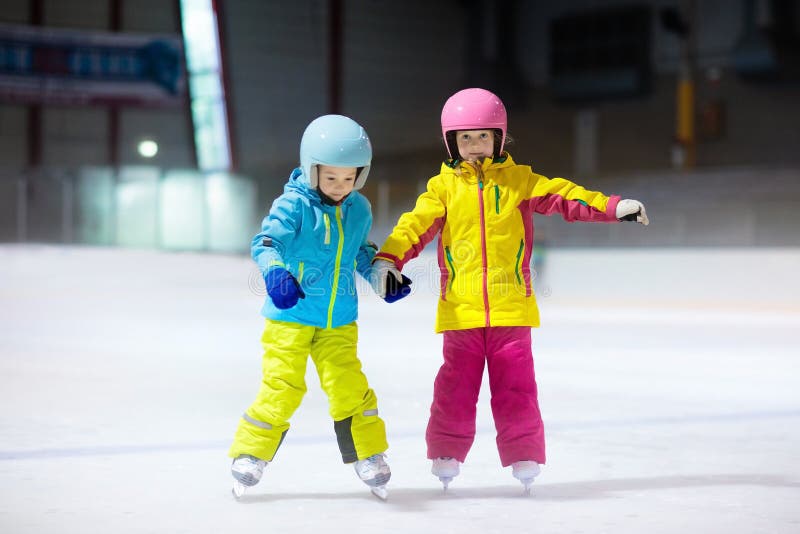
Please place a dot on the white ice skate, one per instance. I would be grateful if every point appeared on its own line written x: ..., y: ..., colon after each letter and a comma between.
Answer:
x: 446, y: 468
x: 525, y: 471
x: 246, y: 471
x: 375, y: 473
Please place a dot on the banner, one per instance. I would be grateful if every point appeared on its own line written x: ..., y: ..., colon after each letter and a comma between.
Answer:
x: 79, y: 67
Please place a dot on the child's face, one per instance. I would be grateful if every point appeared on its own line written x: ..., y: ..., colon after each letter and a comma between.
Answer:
x: 475, y: 144
x: 336, y: 182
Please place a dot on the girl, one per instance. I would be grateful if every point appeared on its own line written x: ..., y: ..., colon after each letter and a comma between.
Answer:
x: 481, y: 205
x: 312, y: 241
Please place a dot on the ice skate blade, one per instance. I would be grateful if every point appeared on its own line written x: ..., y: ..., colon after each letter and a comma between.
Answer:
x: 526, y: 484
x: 238, y: 489
x: 380, y: 492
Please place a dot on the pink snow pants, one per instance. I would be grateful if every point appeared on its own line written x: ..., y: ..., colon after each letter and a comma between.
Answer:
x: 515, y: 407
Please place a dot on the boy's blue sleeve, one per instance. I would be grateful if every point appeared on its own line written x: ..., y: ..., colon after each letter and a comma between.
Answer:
x: 364, y: 258
x: 367, y: 249
x: 278, y: 229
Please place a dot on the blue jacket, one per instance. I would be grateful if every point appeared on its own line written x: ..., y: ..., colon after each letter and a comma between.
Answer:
x: 322, y: 246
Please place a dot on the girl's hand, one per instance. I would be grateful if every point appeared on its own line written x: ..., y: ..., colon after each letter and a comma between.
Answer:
x: 632, y: 210
x: 379, y: 276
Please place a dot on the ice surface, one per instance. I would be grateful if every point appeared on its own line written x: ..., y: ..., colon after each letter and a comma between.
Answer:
x: 668, y: 382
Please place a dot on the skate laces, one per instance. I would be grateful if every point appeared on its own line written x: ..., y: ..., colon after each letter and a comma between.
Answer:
x: 373, y: 464
x: 249, y: 462
x: 248, y: 469
x: 374, y: 470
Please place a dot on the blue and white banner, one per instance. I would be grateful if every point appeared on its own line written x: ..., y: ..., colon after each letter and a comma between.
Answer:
x: 80, y: 67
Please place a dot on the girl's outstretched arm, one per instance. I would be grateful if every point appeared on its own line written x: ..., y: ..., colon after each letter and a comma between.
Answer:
x: 572, y: 201
x: 416, y: 228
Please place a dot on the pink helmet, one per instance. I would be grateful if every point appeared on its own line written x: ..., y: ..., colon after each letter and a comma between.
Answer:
x: 473, y: 109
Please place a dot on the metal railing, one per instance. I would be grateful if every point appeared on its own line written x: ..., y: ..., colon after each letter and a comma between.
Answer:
x: 178, y: 209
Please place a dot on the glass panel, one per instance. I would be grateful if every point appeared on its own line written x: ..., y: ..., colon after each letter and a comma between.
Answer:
x: 95, y: 195
x: 231, y: 213
x: 137, y: 207
x: 182, y: 210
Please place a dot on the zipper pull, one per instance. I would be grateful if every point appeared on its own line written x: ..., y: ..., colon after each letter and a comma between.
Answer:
x: 479, y: 174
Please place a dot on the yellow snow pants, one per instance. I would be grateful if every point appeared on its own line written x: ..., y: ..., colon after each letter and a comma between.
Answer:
x: 353, y: 406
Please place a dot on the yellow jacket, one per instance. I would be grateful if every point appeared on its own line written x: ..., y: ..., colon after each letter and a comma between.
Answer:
x: 484, y: 214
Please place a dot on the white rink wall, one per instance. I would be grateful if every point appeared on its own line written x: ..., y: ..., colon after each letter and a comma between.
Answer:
x: 724, y: 278
x: 716, y: 277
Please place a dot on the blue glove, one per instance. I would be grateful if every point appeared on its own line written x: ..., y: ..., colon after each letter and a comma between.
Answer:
x: 396, y: 290
x: 283, y: 288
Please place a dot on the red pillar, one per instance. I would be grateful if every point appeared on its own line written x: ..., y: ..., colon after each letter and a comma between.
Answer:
x: 115, y: 25
x: 334, y: 56
x: 225, y: 80
x: 36, y: 18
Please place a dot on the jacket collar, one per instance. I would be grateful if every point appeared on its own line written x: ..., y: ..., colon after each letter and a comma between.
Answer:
x: 458, y: 165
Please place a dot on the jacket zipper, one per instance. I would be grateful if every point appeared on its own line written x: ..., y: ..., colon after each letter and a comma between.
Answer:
x: 452, y: 266
x: 327, y: 228
x: 337, y: 265
x: 497, y: 199
x: 483, y: 245
x: 519, y: 256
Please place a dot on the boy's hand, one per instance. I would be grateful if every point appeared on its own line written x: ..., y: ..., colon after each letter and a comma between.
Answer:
x: 382, y: 271
x: 283, y: 288
x: 632, y: 210
x: 396, y: 290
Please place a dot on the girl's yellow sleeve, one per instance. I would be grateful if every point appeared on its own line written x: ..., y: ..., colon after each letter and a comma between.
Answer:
x: 416, y: 228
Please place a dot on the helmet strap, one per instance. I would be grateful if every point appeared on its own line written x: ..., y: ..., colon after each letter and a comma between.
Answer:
x: 313, y: 178
x: 452, y: 145
x: 498, y: 143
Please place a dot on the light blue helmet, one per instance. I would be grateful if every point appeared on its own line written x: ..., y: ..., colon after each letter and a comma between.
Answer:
x: 338, y: 141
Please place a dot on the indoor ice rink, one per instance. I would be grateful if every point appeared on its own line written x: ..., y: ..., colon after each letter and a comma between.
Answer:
x: 670, y: 403
x: 143, y: 141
